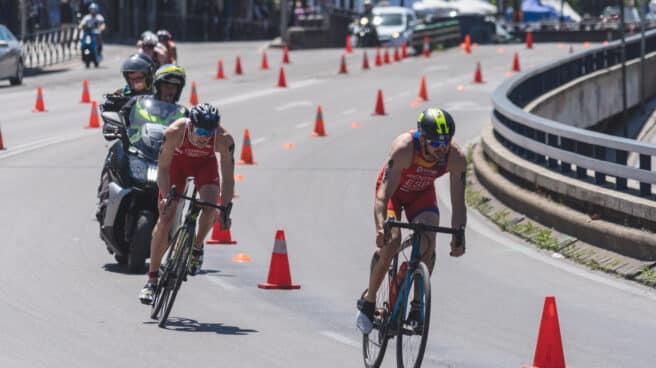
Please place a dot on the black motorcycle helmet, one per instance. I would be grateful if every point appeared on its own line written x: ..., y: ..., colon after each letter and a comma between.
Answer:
x: 205, y: 116
x: 138, y: 63
x: 172, y: 74
x: 436, y: 124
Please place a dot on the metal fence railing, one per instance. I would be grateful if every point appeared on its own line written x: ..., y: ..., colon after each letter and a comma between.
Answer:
x: 50, y: 46
x: 593, y: 156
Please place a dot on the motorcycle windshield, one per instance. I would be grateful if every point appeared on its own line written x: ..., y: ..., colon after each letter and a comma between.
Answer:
x: 150, y: 141
x: 148, y: 110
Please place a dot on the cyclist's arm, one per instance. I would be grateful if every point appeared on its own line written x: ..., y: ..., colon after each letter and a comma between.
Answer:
x: 173, y: 50
x: 457, y: 167
x: 225, y: 146
x: 172, y: 138
x: 399, y: 159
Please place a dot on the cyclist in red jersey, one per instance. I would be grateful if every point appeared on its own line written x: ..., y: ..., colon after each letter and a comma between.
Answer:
x: 189, y: 149
x: 406, y: 182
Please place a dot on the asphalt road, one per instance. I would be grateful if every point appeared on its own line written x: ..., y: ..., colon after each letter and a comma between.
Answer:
x: 63, y: 301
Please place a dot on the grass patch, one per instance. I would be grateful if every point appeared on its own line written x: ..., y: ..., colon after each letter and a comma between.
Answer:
x: 546, y: 240
x: 501, y: 219
x: 648, y: 275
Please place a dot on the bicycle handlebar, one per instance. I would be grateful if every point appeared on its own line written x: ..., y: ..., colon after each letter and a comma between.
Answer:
x: 173, y: 194
x: 391, y: 222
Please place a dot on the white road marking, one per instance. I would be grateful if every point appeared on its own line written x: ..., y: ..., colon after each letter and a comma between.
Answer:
x: 217, y: 280
x: 265, y: 92
x: 349, y: 111
x: 258, y: 140
x: 292, y: 105
x: 506, y: 240
x: 341, y: 338
x: 13, y: 151
x: 436, y: 68
x: 303, y: 125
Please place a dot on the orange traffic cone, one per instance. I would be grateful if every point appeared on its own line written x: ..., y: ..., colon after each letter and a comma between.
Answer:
x: 279, y: 275
x: 404, y: 50
x: 423, y: 94
x: 380, y: 108
x: 285, y: 55
x: 426, y: 50
x: 365, y: 60
x: 478, y: 76
x: 349, y: 44
x: 93, y: 119
x: 529, y: 40
x: 319, y: 130
x: 281, y: 78
x: 342, y: 66
x: 193, y: 100
x: 397, y: 57
x: 468, y: 44
x: 246, y: 152
x: 386, y: 58
x: 220, y: 236
x: 238, y: 70
x: 379, y: 61
x: 85, y: 92
x: 549, y: 348
x: 265, y: 63
x: 515, y: 67
x: 39, y: 106
x: 1, y: 144
x: 219, y: 72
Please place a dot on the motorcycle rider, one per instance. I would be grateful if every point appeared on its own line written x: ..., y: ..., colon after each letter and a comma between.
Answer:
x: 95, y: 22
x: 164, y: 38
x: 167, y: 86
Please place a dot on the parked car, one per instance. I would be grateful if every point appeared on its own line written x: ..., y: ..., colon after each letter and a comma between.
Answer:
x: 610, y: 17
x: 394, y: 24
x: 11, y: 57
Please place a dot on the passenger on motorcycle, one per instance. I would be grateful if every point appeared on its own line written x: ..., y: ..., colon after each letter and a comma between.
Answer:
x: 189, y: 149
x: 94, y: 22
x: 164, y: 38
x: 167, y: 86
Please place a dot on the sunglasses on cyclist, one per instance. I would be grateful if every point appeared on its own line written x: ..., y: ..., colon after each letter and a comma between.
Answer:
x: 443, y: 141
x: 203, y: 132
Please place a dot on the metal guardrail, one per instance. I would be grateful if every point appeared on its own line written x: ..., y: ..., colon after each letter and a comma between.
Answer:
x: 51, y: 46
x: 560, y: 146
x: 443, y: 32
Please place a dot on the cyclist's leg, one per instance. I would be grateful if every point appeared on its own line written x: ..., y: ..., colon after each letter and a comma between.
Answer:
x: 384, y: 255
x: 424, y: 209
x: 207, y: 179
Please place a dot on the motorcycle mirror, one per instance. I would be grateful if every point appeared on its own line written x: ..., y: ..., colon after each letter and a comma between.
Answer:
x: 111, y: 118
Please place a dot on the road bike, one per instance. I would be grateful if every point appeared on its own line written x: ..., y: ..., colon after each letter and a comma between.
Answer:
x: 403, y: 301
x: 177, y: 257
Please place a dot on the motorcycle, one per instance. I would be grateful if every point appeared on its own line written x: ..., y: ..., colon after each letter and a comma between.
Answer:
x: 131, y: 209
x: 89, y: 48
x: 364, y: 32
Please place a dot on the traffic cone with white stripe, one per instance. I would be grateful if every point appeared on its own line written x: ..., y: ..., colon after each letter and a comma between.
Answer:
x: 365, y: 60
x: 93, y: 119
x: 219, y: 72
x: 342, y: 66
x: 426, y: 51
x: 193, y: 99
x: 85, y: 92
x: 246, y: 152
x: 279, y: 275
x: 39, y: 106
x: 319, y: 130
x: 1, y: 144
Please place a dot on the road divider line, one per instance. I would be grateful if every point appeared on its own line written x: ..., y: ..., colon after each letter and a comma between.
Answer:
x: 13, y: 151
x: 341, y: 339
x: 303, y: 125
x: 221, y: 283
x: 292, y: 105
x: 258, y: 140
x: 349, y: 111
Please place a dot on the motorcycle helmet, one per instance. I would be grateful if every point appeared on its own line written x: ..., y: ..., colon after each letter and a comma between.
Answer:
x: 172, y: 74
x: 138, y: 63
x: 93, y: 8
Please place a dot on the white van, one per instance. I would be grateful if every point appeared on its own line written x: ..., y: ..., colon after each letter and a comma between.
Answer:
x: 394, y: 24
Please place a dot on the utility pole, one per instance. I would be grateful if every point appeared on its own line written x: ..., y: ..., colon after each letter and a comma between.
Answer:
x: 284, y: 19
x: 623, y: 60
x: 642, y: 55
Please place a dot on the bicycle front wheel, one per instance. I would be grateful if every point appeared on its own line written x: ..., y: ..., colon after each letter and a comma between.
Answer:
x: 413, y: 327
x: 178, y: 273
x: 163, y: 291
x: 375, y: 343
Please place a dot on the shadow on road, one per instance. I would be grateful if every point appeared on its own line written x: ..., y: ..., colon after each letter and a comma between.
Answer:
x: 190, y: 325
x: 117, y: 268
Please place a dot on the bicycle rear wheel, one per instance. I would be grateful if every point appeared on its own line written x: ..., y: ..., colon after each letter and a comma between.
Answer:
x: 163, y: 291
x: 413, y: 334
x: 375, y: 343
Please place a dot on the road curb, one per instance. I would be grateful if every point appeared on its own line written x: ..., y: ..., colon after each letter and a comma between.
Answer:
x: 623, y: 240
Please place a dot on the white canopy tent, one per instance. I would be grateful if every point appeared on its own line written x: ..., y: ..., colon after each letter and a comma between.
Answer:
x: 567, y: 9
x: 473, y: 7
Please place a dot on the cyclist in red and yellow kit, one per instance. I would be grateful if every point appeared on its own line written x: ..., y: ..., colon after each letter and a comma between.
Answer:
x: 189, y: 149
x: 406, y: 182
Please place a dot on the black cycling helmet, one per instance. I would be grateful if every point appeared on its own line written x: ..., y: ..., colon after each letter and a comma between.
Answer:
x: 163, y: 36
x: 205, y: 116
x: 172, y: 74
x: 436, y: 125
x: 140, y: 63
